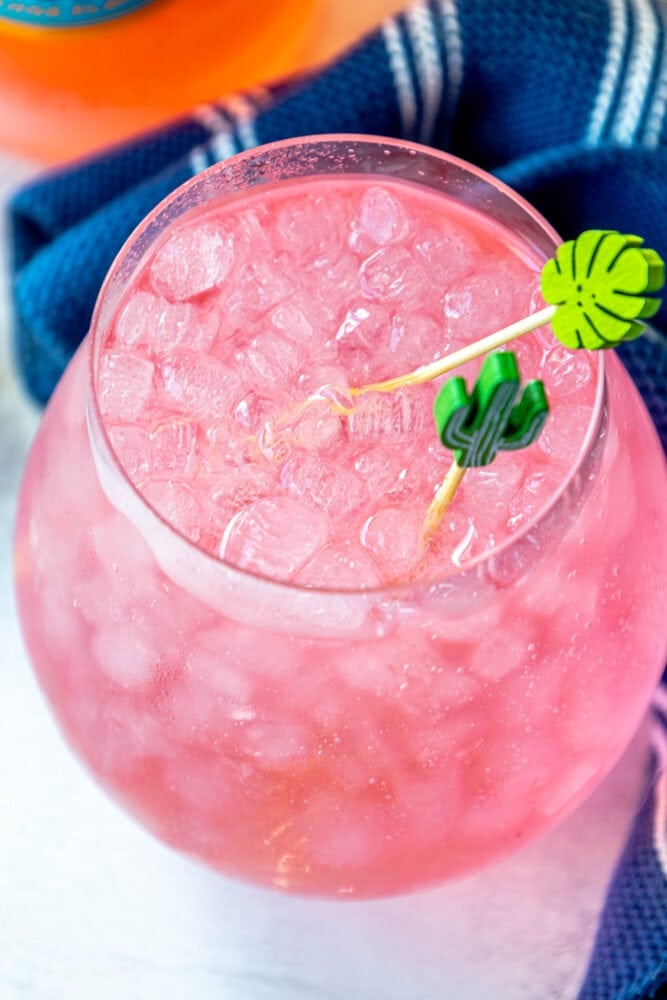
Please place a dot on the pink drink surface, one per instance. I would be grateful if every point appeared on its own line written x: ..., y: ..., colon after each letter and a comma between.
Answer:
x: 243, y: 314
x: 352, y: 744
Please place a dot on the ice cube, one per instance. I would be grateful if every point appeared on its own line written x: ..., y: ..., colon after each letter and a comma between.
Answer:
x: 409, y: 674
x: 258, y: 286
x: 360, y: 339
x: 435, y: 806
x: 563, y: 433
x: 565, y: 372
x: 208, y: 691
x: 534, y: 697
x: 314, y: 425
x: 201, y: 787
x: 183, y: 324
x: 238, y: 486
x: 212, y: 663
x: 393, y: 535
x: 194, y: 260
x: 62, y: 630
x: 309, y: 308
x: 253, y: 410
x: 342, y: 566
x: 329, y: 285
x: 550, y: 593
x: 448, y: 253
x: 509, y: 650
x: 126, y: 655
x: 274, y: 537
x: 532, y: 495
x: 364, y: 328
x: 529, y: 352
x: 200, y: 385
x: 452, y: 685
x: 384, y: 416
x: 326, y: 377
x: 228, y: 444
x: 125, y: 386
x: 136, y: 319
x: 246, y: 654
x: 291, y: 322
x: 414, y: 340
x: 388, y: 473
x: 321, y: 294
x: 250, y: 230
x: 174, y: 447
x: 132, y: 446
x: 270, y: 359
x: 480, y: 304
x: 104, y: 597
x: 325, y: 483
x: 116, y: 543
x: 504, y: 779
x: 314, y: 227
x: 346, y: 837
x: 382, y: 217
x: 457, y: 540
x: 491, y: 488
x: 276, y: 743
x: 178, y: 504
x: 173, y: 327
x: 392, y: 272
x: 378, y: 668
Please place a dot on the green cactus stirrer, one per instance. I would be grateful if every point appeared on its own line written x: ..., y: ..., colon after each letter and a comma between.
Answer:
x: 479, y: 424
x: 599, y: 288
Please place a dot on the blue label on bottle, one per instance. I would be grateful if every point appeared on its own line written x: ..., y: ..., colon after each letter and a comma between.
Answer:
x: 67, y: 13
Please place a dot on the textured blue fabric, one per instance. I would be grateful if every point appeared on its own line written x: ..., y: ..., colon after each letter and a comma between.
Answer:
x: 565, y: 100
x: 630, y: 956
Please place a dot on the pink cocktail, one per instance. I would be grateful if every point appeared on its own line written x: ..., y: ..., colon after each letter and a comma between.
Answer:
x: 221, y: 577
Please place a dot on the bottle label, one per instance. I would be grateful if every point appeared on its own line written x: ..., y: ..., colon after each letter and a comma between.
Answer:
x: 67, y: 13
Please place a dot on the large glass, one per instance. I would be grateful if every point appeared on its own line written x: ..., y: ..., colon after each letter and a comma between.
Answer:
x: 344, y: 742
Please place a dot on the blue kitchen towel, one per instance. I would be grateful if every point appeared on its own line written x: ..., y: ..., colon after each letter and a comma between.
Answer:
x: 565, y: 100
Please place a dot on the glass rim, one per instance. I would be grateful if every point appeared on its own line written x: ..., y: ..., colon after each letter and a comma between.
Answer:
x: 220, y: 172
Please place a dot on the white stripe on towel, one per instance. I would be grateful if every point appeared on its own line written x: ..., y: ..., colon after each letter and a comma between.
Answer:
x: 407, y: 102
x: 454, y: 49
x: 643, y: 54
x: 618, y: 30
x: 422, y: 35
x: 655, y: 119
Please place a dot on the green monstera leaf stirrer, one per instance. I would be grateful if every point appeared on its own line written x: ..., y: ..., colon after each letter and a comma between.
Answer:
x: 599, y: 288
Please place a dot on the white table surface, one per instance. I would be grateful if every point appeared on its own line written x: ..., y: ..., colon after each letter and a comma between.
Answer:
x: 92, y: 908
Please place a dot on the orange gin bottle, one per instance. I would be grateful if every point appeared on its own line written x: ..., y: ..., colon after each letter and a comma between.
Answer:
x: 76, y: 75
